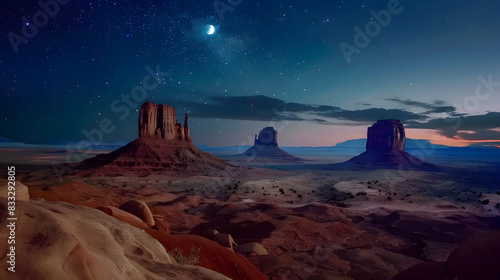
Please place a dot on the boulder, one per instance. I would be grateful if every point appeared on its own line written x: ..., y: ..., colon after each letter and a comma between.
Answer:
x: 251, y: 248
x: 139, y: 209
x: 123, y: 216
x: 209, y: 233
x: 225, y: 240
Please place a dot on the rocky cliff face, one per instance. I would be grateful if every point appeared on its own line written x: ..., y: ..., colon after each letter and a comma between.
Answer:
x: 386, y: 135
x: 157, y: 121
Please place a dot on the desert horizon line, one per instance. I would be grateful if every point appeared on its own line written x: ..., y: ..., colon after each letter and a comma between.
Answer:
x: 73, y: 143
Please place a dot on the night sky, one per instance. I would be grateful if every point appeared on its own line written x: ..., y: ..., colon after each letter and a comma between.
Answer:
x: 239, y: 66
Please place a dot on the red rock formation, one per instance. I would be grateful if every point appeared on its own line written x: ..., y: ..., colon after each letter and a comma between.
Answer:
x: 163, y: 144
x: 212, y: 255
x: 57, y: 240
x: 267, y: 136
x: 385, y: 149
x: 386, y: 135
x: 139, y: 209
x: 158, y: 121
x: 186, y: 128
x: 266, y: 146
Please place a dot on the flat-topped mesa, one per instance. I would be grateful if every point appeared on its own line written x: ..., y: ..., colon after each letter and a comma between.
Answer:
x: 386, y: 135
x: 157, y: 121
x: 267, y: 136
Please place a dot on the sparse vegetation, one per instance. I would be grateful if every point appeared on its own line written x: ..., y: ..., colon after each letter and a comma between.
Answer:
x: 191, y: 258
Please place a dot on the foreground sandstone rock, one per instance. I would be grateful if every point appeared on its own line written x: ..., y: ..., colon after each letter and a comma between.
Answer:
x: 57, y: 240
x: 21, y: 190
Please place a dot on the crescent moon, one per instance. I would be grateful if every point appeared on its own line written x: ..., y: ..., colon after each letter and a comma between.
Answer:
x: 211, y: 30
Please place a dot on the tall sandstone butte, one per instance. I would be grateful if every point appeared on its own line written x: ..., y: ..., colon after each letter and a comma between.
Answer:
x: 385, y: 149
x: 266, y: 146
x: 163, y: 143
x: 158, y: 121
x: 267, y: 136
x: 386, y: 135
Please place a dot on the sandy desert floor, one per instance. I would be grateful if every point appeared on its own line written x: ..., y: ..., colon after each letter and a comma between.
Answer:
x: 315, y: 223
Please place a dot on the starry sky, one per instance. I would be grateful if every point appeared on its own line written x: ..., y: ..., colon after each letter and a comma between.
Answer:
x: 319, y: 71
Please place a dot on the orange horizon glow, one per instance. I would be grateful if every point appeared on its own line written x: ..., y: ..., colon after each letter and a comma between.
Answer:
x: 435, y: 138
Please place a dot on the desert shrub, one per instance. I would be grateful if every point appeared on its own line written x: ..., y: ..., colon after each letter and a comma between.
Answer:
x: 191, y: 258
x: 485, y: 202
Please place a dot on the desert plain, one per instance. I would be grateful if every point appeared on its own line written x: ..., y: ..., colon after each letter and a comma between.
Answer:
x: 315, y: 222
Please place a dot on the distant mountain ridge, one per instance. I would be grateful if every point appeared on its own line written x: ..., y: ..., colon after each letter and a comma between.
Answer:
x: 410, y: 144
x: 5, y: 140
